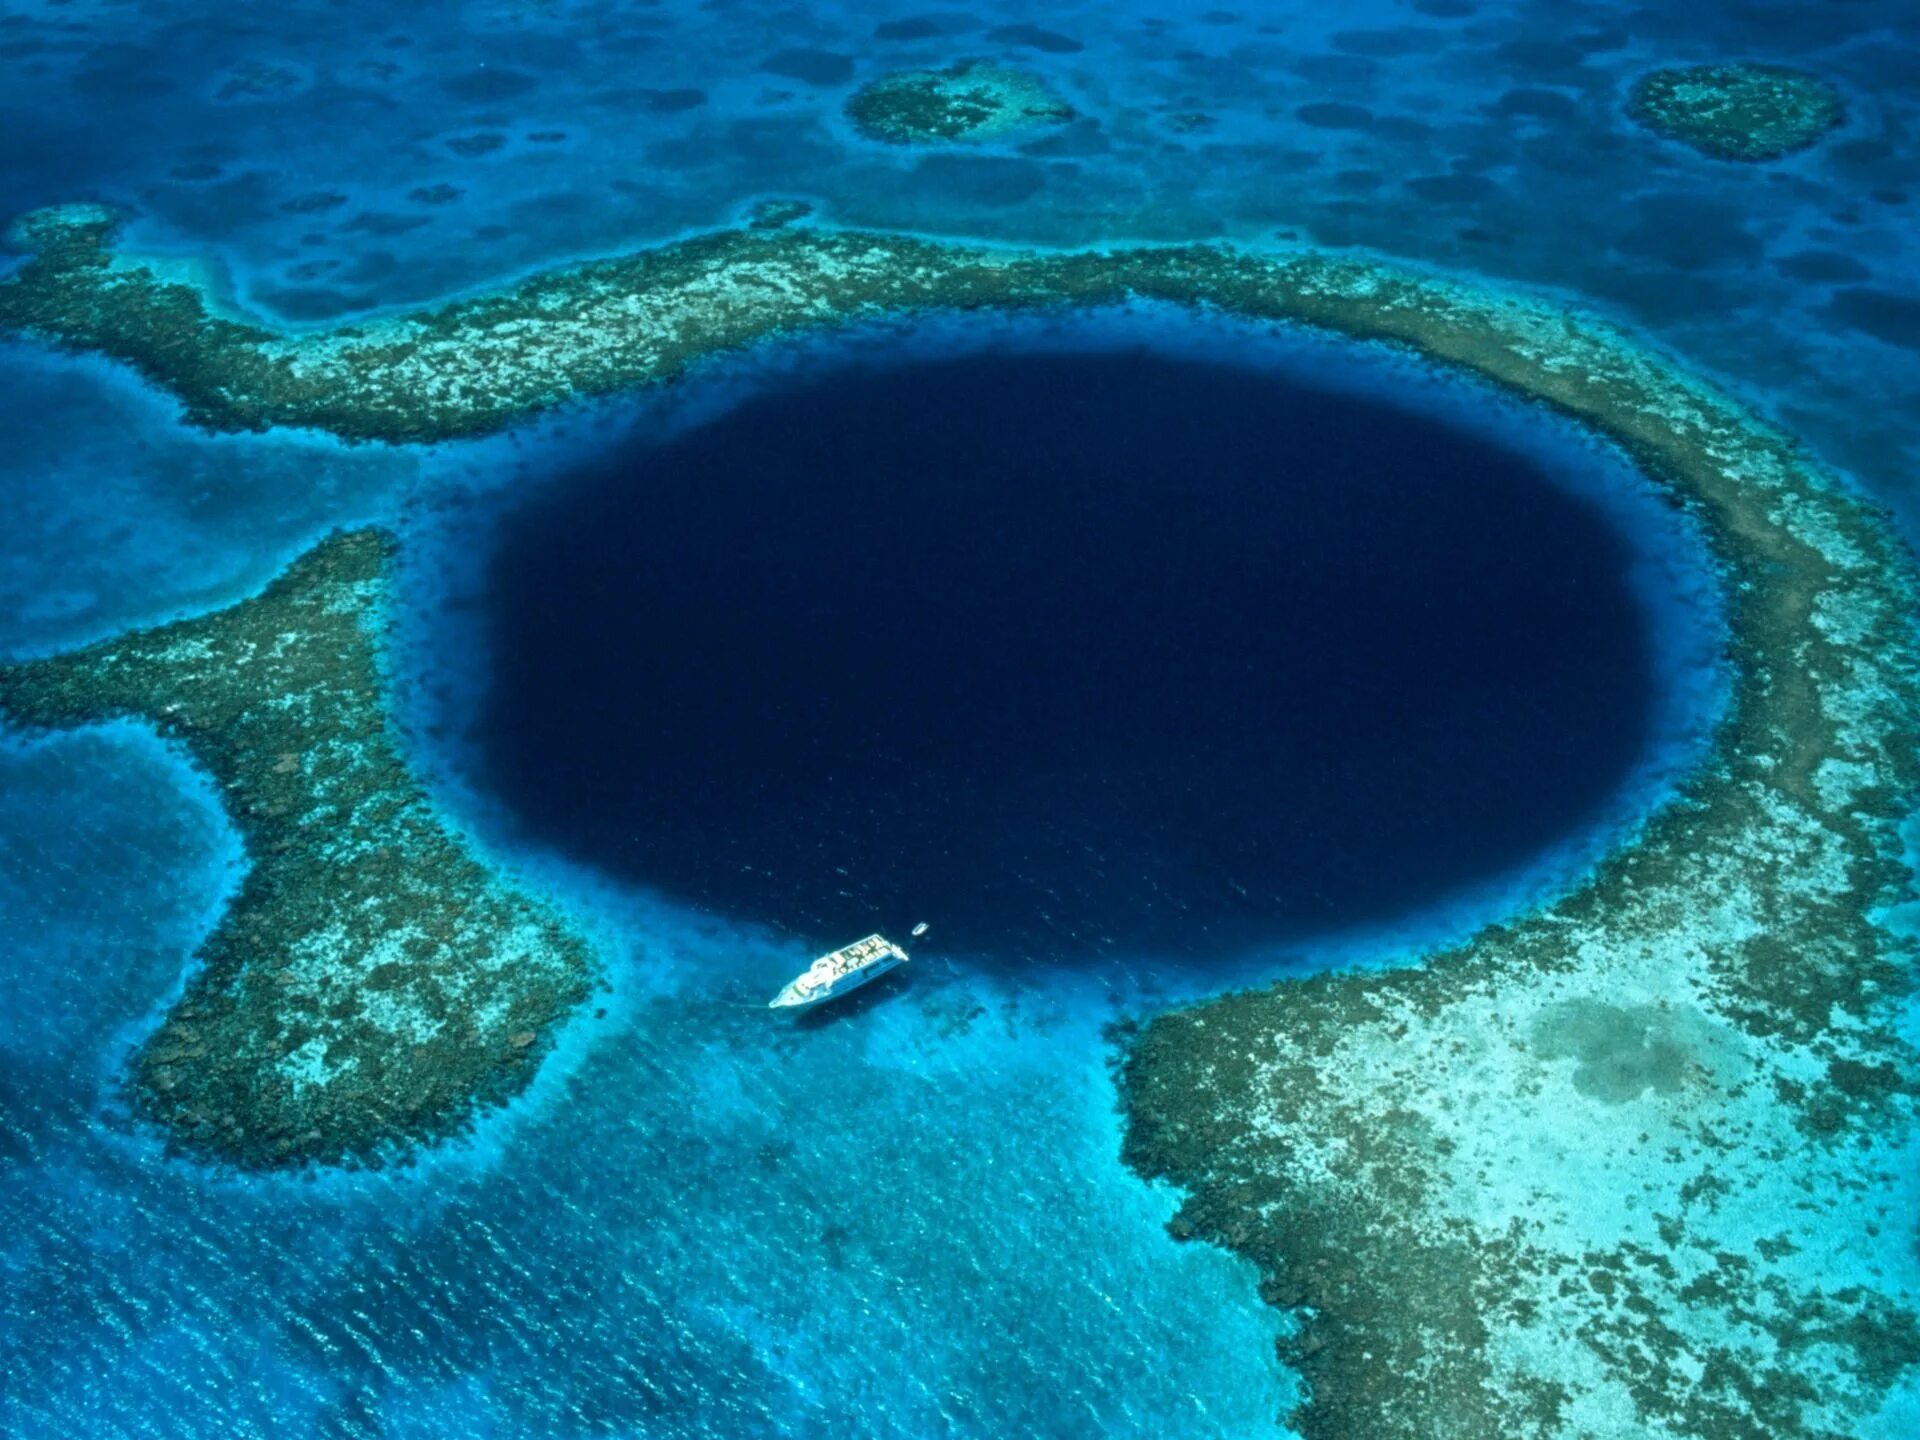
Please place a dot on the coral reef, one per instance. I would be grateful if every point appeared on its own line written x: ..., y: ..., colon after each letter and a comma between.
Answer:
x: 1594, y: 1171
x: 966, y: 103
x: 371, y: 983
x: 1623, y: 1166
x: 1737, y: 112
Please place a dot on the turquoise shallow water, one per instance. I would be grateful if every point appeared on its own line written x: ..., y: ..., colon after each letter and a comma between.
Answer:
x: 911, y: 1221
x: 119, y: 517
x: 694, y: 1225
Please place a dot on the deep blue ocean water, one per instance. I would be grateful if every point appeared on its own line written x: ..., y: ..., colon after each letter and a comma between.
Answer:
x: 1064, y: 654
x: 674, y: 1233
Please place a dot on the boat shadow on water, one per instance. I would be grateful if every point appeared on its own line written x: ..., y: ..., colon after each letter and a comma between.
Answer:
x: 856, y: 1003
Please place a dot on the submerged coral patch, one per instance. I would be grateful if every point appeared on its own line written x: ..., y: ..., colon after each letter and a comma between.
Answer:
x: 1737, y: 112
x: 773, y: 214
x: 967, y: 103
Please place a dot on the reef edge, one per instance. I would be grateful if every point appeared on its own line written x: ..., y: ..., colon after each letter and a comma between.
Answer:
x: 371, y: 985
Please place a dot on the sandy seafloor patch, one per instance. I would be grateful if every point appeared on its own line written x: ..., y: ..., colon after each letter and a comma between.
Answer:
x: 912, y: 1221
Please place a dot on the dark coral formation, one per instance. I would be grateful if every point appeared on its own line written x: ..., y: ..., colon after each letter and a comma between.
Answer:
x: 1592, y: 1172
x: 774, y: 214
x: 969, y: 102
x: 371, y: 983
x: 1746, y: 112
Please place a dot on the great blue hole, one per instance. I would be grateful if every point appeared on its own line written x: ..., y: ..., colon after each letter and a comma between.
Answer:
x: 1067, y: 653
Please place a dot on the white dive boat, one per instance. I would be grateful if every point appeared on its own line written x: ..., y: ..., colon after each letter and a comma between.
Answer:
x: 839, y: 971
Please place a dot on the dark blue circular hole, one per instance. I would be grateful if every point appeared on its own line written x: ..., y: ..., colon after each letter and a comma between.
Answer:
x: 1070, y: 654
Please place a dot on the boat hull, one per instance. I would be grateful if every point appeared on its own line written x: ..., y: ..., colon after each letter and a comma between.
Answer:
x: 844, y: 987
x: 838, y: 973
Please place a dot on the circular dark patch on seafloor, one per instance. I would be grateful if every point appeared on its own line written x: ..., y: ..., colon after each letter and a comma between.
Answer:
x: 1066, y: 653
